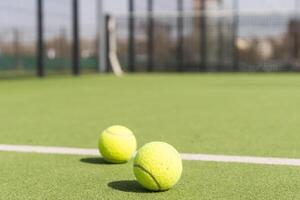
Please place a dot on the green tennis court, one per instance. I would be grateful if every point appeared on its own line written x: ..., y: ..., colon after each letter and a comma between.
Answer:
x: 218, y: 114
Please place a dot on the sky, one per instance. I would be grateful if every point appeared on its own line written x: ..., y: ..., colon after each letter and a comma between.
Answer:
x: 14, y: 11
x: 88, y: 9
x: 21, y: 13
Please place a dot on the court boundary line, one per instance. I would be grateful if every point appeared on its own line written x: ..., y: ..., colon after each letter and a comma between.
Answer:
x: 185, y: 156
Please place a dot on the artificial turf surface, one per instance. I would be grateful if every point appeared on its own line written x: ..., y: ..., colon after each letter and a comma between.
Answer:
x: 232, y: 114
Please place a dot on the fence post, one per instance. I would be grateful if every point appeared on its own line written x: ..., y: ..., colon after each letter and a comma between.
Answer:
x: 220, y: 64
x: 40, y: 39
x: 203, y: 38
x: 101, y: 46
x: 150, y: 43
x: 179, y: 52
x: 107, y: 43
x: 131, y: 41
x: 235, y: 29
x: 76, y: 40
x: 296, y: 49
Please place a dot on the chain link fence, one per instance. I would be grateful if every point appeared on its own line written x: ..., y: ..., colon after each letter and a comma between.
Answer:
x: 169, y: 35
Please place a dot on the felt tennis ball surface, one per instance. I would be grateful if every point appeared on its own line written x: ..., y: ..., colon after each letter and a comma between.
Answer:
x: 157, y: 166
x: 117, y: 144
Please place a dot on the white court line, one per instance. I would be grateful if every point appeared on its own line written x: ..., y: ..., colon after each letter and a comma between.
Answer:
x: 49, y: 150
x: 185, y: 156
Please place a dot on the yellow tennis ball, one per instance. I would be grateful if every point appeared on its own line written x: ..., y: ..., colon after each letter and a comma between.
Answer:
x: 157, y: 166
x: 117, y: 144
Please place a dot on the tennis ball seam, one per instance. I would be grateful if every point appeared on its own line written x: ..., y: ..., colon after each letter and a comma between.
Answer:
x: 113, y: 133
x: 151, y: 175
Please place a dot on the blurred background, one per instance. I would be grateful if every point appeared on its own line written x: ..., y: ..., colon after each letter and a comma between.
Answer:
x: 42, y: 37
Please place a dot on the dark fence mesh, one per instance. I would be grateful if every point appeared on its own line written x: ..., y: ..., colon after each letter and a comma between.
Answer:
x: 88, y: 32
x: 215, y: 41
x: 17, y: 36
x: 216, y: 37
x: 269, y: 42
x: 58, y: 36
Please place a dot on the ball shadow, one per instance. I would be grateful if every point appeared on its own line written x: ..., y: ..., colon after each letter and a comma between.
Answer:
x: 127, y: 186
x: 95, y: 161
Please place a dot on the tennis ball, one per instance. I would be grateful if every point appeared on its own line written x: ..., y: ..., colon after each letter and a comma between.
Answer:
x: 157, y: 166
x: 117, y: 144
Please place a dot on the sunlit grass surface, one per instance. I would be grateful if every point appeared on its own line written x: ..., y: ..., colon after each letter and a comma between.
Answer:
x: 232, y: 114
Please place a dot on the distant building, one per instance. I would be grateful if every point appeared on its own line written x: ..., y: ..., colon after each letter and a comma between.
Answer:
x: 210, y: 4
x: 197, y: 5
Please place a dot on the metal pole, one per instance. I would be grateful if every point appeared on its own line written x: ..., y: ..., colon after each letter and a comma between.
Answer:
x: 102, y: 53
x: 107, y: 43
x: 203, y: 39
x: 235, y: 28
x: 296, y: 31
x: 150, y: 30
x: 220, y: 64
x: 40, y: 39
x: 131, y: 41
x: 76, y: 40
x: 180, y: 35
